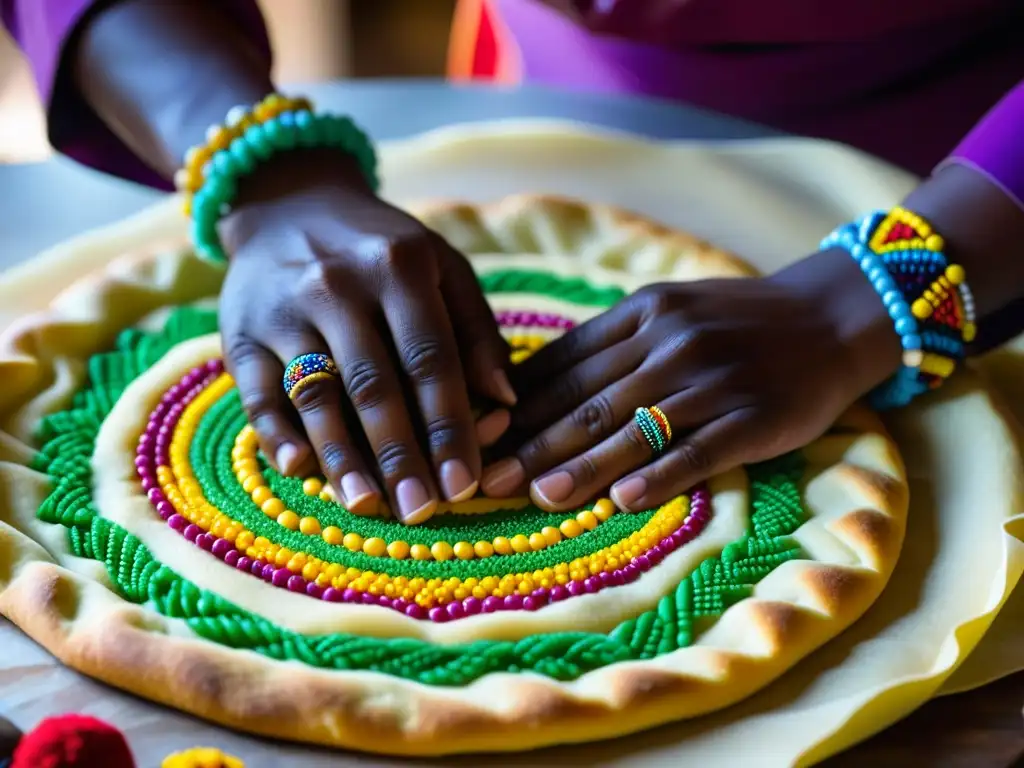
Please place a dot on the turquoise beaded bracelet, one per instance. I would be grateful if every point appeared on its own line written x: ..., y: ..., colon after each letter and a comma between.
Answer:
x: 927, y: 298
x: 257, y: 144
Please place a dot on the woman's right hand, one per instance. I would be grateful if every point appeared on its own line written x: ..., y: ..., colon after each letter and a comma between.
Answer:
x: 319, y: 263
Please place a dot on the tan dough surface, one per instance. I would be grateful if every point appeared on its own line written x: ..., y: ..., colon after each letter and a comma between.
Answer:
x: 958, y: 563
x: 856, y: 494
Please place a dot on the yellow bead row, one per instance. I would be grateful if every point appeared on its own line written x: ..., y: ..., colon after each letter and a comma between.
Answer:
x: 937, y: 292
x: 189, y: 179
x: 184, y: 493
x: 524, y: 345
x: 928, y: 239
x: 247, y: 471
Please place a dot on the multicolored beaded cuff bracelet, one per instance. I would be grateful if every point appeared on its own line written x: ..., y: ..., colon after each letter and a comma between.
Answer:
x: 927, y: 297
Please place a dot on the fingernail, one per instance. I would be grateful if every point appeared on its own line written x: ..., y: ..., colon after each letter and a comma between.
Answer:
x: 360, y: 497
x: 555, y: 488
x: 414, y: 503
x: 492, y: 426
x: 456, y: 481
x: 287, y: 457
x: 506, y: 394
x: 629, y: 492
x: 503, y: 478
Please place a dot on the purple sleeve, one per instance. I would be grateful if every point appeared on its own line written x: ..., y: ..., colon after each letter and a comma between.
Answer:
x: 45, y: 29
x: 995, y: 146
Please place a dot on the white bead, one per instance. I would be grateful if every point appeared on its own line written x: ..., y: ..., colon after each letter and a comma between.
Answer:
x: 236, y: 115
x: 212, y: 131
x: 181, y: 180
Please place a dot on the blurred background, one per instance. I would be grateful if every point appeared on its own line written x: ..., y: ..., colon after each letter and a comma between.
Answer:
x: 313, y: 40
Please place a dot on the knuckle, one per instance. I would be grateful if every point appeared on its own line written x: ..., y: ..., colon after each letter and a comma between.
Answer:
x: 534, y: 455
x: 568, y: 391
x: 393, y: 458
x: 652, y: 300
x: 444, y: 433
x: 694, y: 457
x: 585, y: 470
x: 241, y: 350
x: 364, y: 383
x: 424, y: 359
x: 394, y: 253
x: 259, y: 404
x: 596, y: 417
x: 316, y: 284
x: 333, y: 458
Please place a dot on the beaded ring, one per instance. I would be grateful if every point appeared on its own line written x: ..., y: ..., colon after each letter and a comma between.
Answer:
x: 655, y: 428
x: 928, y: 299
x: 247, y: 148
x: 305, y: 370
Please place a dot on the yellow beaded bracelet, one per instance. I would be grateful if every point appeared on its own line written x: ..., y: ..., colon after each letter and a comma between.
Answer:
x: 189, y: 179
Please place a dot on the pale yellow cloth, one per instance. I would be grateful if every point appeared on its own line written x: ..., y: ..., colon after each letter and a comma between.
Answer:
x: 769, y: 201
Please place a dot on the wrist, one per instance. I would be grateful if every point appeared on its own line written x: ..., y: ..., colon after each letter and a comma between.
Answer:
x: 288, y: 183
x: 834, y: 286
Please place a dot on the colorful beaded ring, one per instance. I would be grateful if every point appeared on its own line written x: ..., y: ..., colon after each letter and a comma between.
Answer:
x: 654, y: 426
x: 307, y: 369
x: 927, y: 298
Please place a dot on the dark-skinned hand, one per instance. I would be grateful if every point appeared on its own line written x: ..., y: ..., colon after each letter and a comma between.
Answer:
x: 321, y: 264
x: 745, y: 370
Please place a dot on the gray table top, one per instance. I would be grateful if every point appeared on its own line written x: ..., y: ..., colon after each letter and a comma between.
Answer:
x: 44, y: 203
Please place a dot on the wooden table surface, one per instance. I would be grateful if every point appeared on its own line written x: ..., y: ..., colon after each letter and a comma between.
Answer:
x: 983, y: 728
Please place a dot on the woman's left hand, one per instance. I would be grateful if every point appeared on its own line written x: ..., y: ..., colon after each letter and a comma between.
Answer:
x: 745, y: 370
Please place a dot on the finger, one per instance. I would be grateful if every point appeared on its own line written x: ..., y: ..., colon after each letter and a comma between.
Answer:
x: 724, y: 444
x: 257, y: 373
x: 375, y: 392
x: 320, y: 406
x: 595, y: 420
x: 425, y: 342
x: 483, y: 350
x: 591, y: 470
x: 586, y: 340
x: 563, y: 394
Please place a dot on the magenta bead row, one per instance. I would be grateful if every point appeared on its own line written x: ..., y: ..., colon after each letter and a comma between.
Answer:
x: 516, y: 319
x: 154, y: 443
x: 152, y: 452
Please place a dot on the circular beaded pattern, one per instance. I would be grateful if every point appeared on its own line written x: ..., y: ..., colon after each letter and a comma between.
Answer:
x: 522, y: 558
x: 189, y: 469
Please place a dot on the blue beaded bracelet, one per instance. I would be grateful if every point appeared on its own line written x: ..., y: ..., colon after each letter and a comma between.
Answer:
x: 927, y: 298
x: 257, y: 144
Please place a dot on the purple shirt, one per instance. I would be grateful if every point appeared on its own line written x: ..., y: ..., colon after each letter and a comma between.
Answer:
x: 905, y: 81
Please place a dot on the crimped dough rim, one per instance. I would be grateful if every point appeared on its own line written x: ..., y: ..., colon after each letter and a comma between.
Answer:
x: 90, y: 629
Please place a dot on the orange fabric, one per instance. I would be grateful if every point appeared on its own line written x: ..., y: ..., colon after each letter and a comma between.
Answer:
x: 480, y: 48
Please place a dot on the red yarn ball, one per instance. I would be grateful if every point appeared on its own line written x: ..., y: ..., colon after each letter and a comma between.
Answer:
x: 73, y: 741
